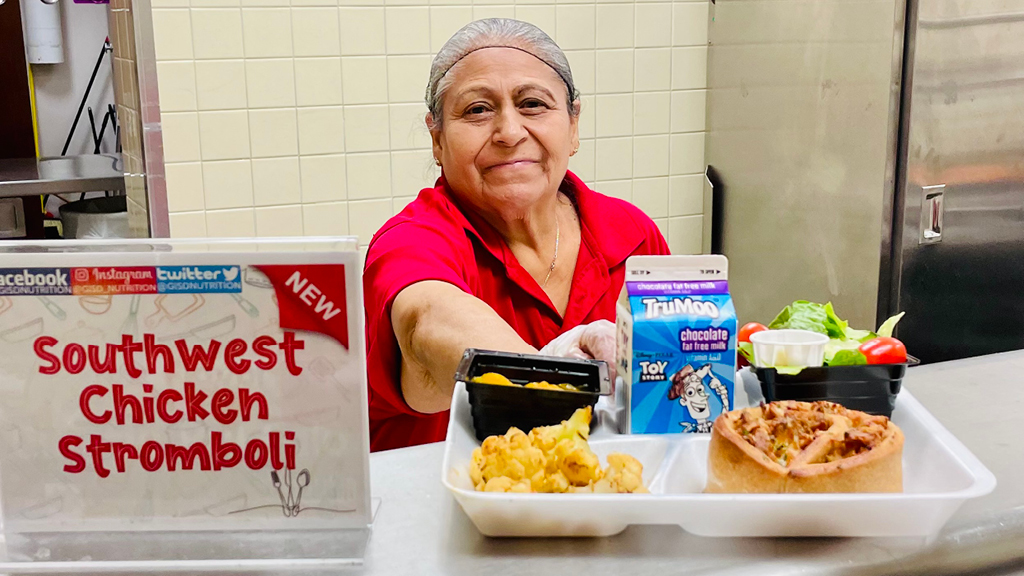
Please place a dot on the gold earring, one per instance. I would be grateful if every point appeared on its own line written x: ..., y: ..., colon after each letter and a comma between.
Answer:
x: 436, y: 161
x: 575, y: 150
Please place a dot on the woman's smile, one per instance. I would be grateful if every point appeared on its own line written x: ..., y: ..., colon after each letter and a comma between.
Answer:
x: 511, y: 165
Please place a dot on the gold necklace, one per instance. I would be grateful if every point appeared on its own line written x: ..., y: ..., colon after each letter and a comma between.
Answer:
x: 558, y: 235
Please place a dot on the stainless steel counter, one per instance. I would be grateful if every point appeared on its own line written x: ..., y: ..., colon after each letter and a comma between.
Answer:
x: 59, y: 175
x: 420, y: 529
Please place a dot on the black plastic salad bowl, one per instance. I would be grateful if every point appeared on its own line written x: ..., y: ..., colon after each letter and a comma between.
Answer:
x: 868, y: 388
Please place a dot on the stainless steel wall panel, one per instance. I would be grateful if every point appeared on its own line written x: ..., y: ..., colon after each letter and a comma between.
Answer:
x: 963, y: 293
x: 801, y: 134
x: 802, y: 21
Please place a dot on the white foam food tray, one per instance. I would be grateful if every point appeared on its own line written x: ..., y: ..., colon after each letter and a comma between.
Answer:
x: 939, y: 474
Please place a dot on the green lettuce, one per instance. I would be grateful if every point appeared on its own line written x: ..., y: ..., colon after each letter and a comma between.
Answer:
x: 747, y: 350
x: 841, y: 349
x: 849, y: 358
x: 789, y: 370
x: 804, y: 315
x: 889, y: 325
x: 835, y: 346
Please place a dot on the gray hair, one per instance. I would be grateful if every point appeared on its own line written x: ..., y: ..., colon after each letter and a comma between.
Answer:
x: 495, y: 33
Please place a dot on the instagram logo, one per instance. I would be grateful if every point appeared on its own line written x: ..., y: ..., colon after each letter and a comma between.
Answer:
x: 81, y: 274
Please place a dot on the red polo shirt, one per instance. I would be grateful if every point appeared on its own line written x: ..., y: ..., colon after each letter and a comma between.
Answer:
x: 434, y: 239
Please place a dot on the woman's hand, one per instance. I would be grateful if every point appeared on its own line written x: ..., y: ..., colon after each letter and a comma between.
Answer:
x: 594, y: 341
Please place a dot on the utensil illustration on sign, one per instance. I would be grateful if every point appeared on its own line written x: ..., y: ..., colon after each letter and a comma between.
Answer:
x: 53, y: 308
x: 174, y: 307
x: 96, y: 305
x: 289, y: 493
x: 290, y: 504
x: 254, y: 277
x: 249, y: 308
x: 23, y: 332
x: 222, y: 327
x: 5, y: 304
x: 83, y: 332
x: 324, y: 372
x: 44, y: 509
x: 221, y: 508
x: 131, y: 322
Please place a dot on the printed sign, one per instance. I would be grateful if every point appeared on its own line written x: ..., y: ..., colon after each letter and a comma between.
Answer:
x: 108, y: 280
x: 34, y: 281
x: 183, y: 390
x: 198, y: 279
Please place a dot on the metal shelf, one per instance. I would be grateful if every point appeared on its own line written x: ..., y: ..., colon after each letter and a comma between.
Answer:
x: 59, y: 175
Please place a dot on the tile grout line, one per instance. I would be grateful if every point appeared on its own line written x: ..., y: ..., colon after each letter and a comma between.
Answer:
x: 387, y: 97
x: 199, y: 129
x: 295, y: 97
x: 344, y: 123
x: 248, y: 116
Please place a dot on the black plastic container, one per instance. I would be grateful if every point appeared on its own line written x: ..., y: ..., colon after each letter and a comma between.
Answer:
x: 872, y: 389
x: 496, y: 408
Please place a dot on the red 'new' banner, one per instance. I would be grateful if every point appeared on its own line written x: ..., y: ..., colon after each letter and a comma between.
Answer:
x: 311, y: 297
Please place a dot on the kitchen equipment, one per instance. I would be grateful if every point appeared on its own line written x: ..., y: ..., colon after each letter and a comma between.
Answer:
x: 939, y: 475
x: 43, y: 41
x: 105, y: 217
x: 788, y: 348
x: 496, y: 408
x: 12, y: 218
x: 868, y: 153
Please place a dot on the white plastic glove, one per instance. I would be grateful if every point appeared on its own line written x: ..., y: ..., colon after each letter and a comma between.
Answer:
x: 594, y: 341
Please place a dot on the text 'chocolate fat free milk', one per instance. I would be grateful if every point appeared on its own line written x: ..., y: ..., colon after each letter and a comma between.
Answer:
x: 676, y: 343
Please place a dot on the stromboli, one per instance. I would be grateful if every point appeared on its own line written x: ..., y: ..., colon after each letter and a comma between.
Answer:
x: 791, y: 446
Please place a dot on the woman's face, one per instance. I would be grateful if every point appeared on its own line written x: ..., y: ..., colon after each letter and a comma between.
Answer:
x: 506, y: 133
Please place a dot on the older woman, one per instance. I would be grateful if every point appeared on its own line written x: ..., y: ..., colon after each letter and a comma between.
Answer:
x: 509, y: 250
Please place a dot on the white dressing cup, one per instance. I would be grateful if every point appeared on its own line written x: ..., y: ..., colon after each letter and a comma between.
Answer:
x: 795, y: 348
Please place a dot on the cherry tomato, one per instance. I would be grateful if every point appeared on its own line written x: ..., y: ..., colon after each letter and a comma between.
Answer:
x: 748, y: 329
x: 884, y: 350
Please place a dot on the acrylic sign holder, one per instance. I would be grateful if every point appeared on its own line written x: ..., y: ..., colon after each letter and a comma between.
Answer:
x: 182, y: 405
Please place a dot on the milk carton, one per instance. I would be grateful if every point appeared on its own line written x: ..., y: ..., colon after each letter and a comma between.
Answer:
x: 676, y: 343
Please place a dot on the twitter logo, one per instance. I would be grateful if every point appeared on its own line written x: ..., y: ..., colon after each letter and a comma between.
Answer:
x: 198, y: 279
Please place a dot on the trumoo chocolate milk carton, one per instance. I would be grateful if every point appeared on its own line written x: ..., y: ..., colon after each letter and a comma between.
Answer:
x: 676, y: 343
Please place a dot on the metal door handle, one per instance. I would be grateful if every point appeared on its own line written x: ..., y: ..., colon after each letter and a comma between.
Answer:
x: 932, y: 208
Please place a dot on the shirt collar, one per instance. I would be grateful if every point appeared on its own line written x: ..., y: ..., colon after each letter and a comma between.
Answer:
x: 614, y: 237
x: 609, y: 237
x: 614, y: 231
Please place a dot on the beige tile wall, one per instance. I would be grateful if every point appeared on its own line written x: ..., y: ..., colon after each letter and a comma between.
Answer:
x: 306, y: 116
